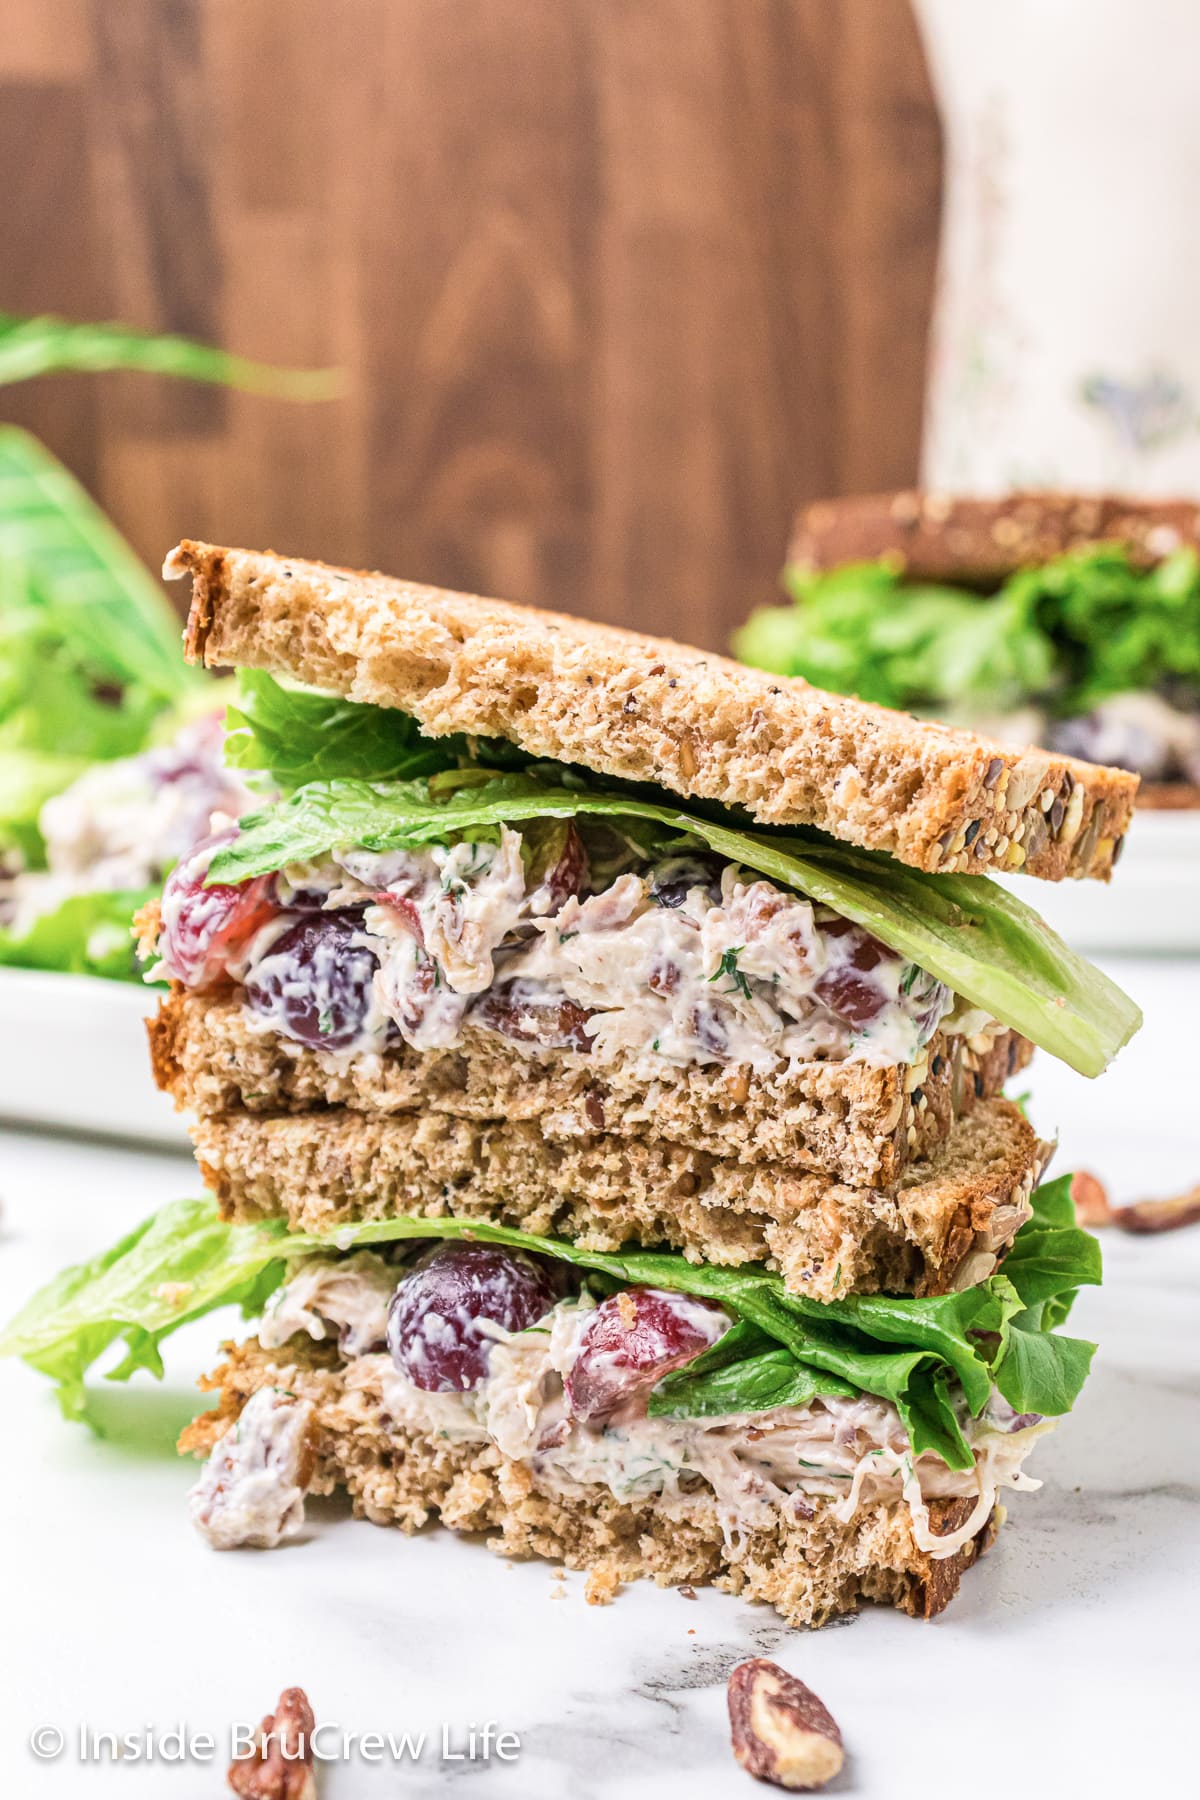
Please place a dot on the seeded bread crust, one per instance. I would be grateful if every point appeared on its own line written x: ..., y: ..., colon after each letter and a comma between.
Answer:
x: 860, y: 1124
x: 647, y: 709
x: 809, y: 1570
x: 977, y: 543
x: 945, y: 1227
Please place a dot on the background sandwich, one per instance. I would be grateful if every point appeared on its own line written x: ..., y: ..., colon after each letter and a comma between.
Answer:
x: 1066, y: 620
x: 596, y: 1057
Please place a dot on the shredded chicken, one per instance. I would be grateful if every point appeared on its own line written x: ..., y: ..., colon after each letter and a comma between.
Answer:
x: 850, y: 1451
x: 251, y: 1490
x: 685, y: 962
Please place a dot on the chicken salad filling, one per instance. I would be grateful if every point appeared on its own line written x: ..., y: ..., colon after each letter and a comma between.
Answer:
x: 554, y: 937
x: 638, y: 1369
x: 116, y: 831
x: 473, y: 1344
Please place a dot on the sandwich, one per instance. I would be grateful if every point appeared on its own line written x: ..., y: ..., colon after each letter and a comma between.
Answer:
x: 1063, y: 620
x: 596, y: 1057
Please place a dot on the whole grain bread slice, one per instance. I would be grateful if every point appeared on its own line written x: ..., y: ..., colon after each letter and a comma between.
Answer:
x: 808, y: 1569
x: 977, y: 543
x: 649, y: 710
x: 858, y: 1122
x: 945, y: 1227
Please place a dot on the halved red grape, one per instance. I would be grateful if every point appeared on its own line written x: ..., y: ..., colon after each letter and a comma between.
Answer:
x: 203, y: 928
x: 632, y: 1340
x: 846, y: 986
x: 315, y: 982
x: 439, y: 1315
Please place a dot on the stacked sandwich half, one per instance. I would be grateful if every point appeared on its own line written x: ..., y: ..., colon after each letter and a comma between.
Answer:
x: 596, y: 1054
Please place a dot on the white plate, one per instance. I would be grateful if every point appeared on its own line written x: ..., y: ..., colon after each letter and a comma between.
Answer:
x: 1152, y: 903
x: 73, y: 1055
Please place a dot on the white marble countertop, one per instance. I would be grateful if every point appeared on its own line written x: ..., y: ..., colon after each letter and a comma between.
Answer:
x: 1067, y: 1666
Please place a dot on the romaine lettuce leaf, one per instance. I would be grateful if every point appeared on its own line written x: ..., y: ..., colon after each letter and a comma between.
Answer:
x: 295, y: 736
x: 28, y: 778
x: 110, y: 615
x: 87, y: 934
x: 785, y: 1349
x: 864, y: 630
x: 179, y: 1264
x: 89, y: 646
x: 977, y: 937
x: 1064, y: 636
x: 53, y: 699
x: 45, y: 345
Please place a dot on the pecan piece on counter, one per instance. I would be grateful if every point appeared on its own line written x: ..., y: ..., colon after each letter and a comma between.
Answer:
x: 780, y: 1731
x: 1146, y: 1216
x: 281, y: 1767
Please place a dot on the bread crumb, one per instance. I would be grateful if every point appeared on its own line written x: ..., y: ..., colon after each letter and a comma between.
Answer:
x: 603, y: 1585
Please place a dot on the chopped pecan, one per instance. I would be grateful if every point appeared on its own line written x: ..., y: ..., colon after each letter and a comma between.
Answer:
x: 281, y: 1767
x: 1146, y: 1216
x: 780, y: 1731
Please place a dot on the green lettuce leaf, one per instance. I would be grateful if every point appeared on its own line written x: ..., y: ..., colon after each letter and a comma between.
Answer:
x: 295, y: 736
x: 785, y: 1349
x: 46, y: 345
x: 974, y: 935
x: 179, y: 1264
x: 89, y: 646
x: 28, y: 778
x: 87, y: 934
x: 1042, y: 1371
x: 863, y: 630
x: 1062, y: 637
x: 107, y: 610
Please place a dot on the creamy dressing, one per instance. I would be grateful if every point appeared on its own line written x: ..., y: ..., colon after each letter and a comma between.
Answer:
x: 732, y: 971
x: 739, y: 979
x: 251, y: 1490
x: 851, y: 1452
x: 345, y: 1299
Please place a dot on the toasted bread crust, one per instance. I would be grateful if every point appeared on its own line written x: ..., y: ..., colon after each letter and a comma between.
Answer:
x: 647, y: 709
x: 945, y: 1227
x: 859, y: 1123
x: 810, y: 1570
x: 977, y: 543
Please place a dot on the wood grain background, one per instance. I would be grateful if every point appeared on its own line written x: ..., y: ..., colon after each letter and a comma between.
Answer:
x: 616, y: 283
